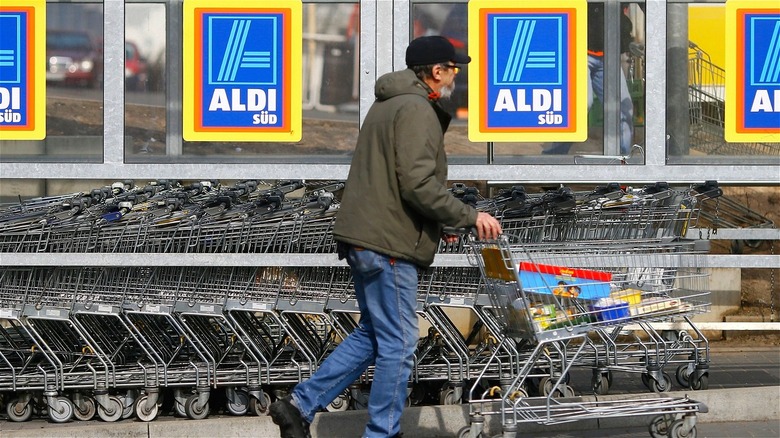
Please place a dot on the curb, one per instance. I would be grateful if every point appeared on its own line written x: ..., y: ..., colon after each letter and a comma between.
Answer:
x: 725, y: 405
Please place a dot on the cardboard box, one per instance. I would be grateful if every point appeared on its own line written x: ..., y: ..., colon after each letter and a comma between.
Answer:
x: 567, y: 282
x: 655, y: 305
x: 632, y: 296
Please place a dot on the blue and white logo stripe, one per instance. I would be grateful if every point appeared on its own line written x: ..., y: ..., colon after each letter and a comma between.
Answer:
x: 519, y: 50
x: 770, y: 72
x: 10, y: 49
x: 527, y: 51
x: 242, y: 50
x: 233, y: 52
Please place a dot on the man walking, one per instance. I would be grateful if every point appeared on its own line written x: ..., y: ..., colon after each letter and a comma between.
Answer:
x: 389, y: 224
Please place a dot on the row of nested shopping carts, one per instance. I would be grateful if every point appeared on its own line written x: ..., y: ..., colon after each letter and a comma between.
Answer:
x: 121, y: 341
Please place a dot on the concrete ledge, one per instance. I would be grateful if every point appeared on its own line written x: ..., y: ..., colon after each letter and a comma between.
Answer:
x: 725, y: 405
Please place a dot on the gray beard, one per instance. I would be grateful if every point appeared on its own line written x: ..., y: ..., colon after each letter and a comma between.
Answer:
x: 446, y: 92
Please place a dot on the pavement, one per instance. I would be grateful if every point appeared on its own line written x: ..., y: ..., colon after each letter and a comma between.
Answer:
x: 743, y: 400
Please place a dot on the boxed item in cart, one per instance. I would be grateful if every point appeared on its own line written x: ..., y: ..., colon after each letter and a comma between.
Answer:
x: 632, y: 296
x: 565, y: 282
x: 608, y: 309
x: 543, y: 314
x: 656, y: 304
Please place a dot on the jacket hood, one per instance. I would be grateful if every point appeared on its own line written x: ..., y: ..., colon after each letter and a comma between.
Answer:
x: 406, y: 82
x: 399, y: 82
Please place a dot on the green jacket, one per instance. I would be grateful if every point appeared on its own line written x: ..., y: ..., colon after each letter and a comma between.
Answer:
x: 396, y: 200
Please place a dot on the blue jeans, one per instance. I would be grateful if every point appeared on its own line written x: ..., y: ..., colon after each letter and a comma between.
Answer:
x: 596, y: 85
x: 387, y: 335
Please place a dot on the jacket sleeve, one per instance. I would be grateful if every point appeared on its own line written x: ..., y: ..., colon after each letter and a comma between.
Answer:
x: 418, y: 145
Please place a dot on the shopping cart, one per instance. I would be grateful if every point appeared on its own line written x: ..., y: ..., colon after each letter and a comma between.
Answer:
x: 553, y: 299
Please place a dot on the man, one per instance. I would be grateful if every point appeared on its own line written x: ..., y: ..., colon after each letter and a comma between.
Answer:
x: 389, y: 224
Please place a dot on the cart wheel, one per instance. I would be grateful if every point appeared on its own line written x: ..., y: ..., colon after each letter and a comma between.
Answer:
x: 178, y: 407
x: 702, y: 383
x: 18, y: 411
x: 238, y: 403
x: 418, y: 394
x: 340, y: 403
x: 447, y: 397
x: 677, y: 430
x: 659, y: 427
x: 466, y: 433
x: 84, y: 409
x: 180, y: 398
x: 600, y: 384
x: 142, y: 413
x: 683, y: 374
x: 191, y: 408
x: 113, y: 411
x: 563, y: 391
x: 62, y: 411
x: 358, y: 399
x: 545, y: 386
x: 128, y: 403
x: 664, y: 386
x: 260, y: 407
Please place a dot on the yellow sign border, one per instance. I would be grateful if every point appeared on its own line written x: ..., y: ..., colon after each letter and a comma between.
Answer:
x: 580, y: 132
x: 38, y: 132
x: 731, y: 131
x: 295, y: 74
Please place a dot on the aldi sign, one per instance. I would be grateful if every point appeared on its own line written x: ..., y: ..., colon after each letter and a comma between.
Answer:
x: 526, y: 82
x: 22, y: 76
x: 753, y: 71
x: 243, y: 71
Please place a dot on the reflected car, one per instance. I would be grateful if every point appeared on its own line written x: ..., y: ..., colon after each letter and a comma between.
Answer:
x: 136, y: 76
x: 73, y: 58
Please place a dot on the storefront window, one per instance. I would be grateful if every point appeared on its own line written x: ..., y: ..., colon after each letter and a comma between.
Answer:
x: 696, y: 84
x: 74, y: 88
x: 330, y: 93
x: 451, y: 21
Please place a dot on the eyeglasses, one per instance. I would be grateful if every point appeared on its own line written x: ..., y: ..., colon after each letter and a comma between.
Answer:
x: 452, y: 66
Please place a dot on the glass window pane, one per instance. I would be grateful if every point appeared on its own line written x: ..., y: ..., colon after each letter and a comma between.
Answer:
x: 74, y: 82
x: 451, y: 20
x: 696, y: 83
x: 145, y: 98
x: 330, y: 96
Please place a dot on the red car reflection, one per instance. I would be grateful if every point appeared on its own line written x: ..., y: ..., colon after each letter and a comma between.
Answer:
x: 73, y: 58
x: 136, y: 76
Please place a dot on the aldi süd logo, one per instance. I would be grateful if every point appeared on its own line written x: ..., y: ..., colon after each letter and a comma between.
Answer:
x: 753, y: 71
x: 22, y: 80
x: 245, y: 64
x: 530, y: 67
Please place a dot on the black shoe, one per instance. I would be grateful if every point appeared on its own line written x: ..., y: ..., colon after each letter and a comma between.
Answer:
x: 289, y: 419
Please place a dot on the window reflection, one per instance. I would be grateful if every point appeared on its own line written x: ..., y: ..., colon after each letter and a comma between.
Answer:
x: 451, y: 21
x: 74, y: 82
x: 697, y: 57
x: 145, y: 91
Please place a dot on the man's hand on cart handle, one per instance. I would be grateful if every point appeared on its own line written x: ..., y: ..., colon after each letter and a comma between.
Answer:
x: 487, y: 226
